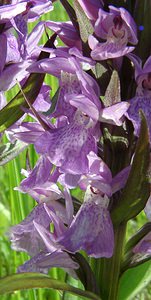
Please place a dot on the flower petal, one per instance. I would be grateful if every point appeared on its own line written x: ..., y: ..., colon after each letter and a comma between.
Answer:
x: 24, y: 237
x: 42, y: 262
x: 91, y: 230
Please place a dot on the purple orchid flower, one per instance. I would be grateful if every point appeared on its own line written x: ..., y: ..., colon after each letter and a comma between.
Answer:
x: 9, y: 11
x: 13, y: 65
x: 73, y: 141
x: 18, y: 13
x: 91, y: 230
x: 78, y: 89
x: 26, y: 236
x: 66, y: 32
x: 44, y: 259
x: 118, y: 29
x: 142, y: 99
x: 98, y: 177
x: 10, y: 53
x: 33, y: 9
x: 42, y: 102
x: 67, y: 145
x: 44, y: 213
x: 39, y: 183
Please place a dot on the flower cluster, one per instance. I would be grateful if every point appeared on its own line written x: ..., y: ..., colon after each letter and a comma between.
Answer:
x: 84, y: 137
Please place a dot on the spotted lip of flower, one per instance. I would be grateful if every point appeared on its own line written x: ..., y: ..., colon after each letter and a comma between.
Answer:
x: 67, y: 147
x: 118, y: 29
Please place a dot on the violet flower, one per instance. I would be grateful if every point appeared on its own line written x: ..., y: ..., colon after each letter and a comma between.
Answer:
x: 24, y: 237
x: 66, y: 32
x: 45, y: 250
x: 118, y: 28
x: 33, y: 9
x: 13, y: 65
x: 98, y: 177
x: 39, y: 183
x: 142, y: 99
x: 91, y: 230
x: 67, y: 145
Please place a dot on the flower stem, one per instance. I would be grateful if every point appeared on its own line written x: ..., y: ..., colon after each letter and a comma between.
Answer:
x: 110, y: 268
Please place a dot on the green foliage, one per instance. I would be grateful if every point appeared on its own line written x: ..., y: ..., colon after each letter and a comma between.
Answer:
x: 4, y: 217
x: 113, y: 93
x: 34, y: 280
x: 134, y: 280
x: 136, y: 191
x: 85, y: 25
x: 9, y: 151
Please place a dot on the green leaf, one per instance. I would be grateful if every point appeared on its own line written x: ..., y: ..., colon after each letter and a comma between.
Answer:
x: 113, y: 93
x: 78, y: 193
x: 102, y: 72
x: 134, y: 280
x: 85, y: 25
x: 114, y: 140
x: 4, y: 217
x: 136, y: 191
x: 99, y: 69
x: 14, y: 109
x: 34, y: 280
x: 86, y: 274
x: 10, y: 151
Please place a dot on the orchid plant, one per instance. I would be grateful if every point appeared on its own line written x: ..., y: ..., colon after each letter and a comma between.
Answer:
x: 92, y: 139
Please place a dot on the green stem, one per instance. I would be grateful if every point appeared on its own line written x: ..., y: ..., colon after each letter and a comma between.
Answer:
x: 110, y: 268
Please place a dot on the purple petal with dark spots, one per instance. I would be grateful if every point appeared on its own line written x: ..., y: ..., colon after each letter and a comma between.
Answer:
x: 68, y: 146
